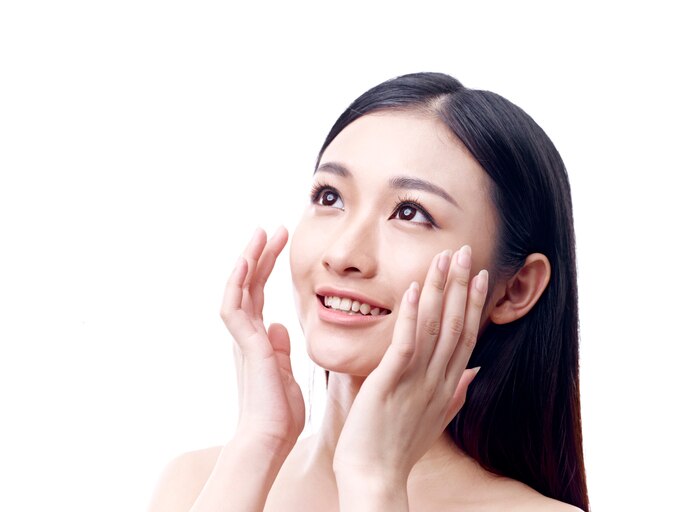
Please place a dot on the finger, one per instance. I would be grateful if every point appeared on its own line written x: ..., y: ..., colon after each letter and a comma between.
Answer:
x: 430, y: 308
x: 265, y: 266
x: 453, y: 319
x: 232, y: 296
x: 468, y: 339
x: 460, y: 395
x: 236, y: 320
x: 279, y: 339
x: 400, y: 353
x: 252, y: 253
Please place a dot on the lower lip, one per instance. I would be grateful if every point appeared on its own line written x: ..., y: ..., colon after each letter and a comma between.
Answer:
x: 338, y: 317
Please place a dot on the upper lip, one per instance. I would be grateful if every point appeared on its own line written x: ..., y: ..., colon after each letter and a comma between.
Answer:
x: 329, y: 291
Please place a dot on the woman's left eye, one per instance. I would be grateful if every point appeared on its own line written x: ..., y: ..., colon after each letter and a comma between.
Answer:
x: 413, y: 212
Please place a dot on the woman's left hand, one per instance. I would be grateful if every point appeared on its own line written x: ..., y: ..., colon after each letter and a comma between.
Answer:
x: 406, y: 403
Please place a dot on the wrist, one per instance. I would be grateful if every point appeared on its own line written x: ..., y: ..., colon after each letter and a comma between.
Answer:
x: 267, y: 446
x: 242, y: 476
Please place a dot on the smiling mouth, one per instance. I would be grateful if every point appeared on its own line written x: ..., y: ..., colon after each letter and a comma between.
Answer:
x: 351, y: 306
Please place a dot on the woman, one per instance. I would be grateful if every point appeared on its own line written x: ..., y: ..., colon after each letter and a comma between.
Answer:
x: 439, y: 237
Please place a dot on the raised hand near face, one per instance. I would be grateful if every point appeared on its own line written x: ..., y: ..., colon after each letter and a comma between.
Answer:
x: 271, y: 404
x: 406, y: 403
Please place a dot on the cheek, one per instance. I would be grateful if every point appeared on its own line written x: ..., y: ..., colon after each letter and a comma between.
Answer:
x: 409, y: 262
x: 412, y: 261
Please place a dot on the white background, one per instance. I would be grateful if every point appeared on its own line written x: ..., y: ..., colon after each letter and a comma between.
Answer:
x: 141, y: 142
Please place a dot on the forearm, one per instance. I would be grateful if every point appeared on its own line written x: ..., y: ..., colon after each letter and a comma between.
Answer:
x: 364, y: 494
x: 242, y: 477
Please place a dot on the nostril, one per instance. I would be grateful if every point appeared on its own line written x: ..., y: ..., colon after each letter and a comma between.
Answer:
x: 346, y: 270
x: 350, y: 261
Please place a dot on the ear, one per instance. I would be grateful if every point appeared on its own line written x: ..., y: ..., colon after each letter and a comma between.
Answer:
x: 522, y: 291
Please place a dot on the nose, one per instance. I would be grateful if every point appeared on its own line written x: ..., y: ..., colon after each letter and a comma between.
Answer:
x: 352, y: 251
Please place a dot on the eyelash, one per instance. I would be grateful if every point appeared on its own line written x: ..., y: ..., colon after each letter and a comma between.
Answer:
x: 318, y: 188
x: 412, y: 201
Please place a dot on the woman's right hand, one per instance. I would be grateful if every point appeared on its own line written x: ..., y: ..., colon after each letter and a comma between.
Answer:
x: 271, y: 404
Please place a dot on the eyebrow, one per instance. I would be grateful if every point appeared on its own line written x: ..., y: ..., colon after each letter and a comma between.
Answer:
x: 398, y: 182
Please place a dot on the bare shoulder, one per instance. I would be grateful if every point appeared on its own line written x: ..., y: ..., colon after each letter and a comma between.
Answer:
x: 183, y: 479
x: 529, y: 500
x: 503, y: 493
x: 544, y: 504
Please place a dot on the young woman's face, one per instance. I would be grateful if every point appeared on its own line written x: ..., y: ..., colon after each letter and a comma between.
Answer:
x: 392, y: 190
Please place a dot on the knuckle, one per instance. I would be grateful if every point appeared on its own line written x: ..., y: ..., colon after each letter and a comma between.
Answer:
x: 478, y: 302
x: 405, y: 350
x: 225, y: 315
x: 432, y: 327
x: 456, y: 324
x: 439, y: 284
x: 461, y: 279
x: 469, y: 339
x: 232, y: 320
x: 431, y: 386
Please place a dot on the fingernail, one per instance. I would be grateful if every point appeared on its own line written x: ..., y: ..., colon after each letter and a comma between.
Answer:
x: 476, y: 370
x: 465, y: 256
x: 444, y: 260
x: 482, y: 280
x: 413, y: 293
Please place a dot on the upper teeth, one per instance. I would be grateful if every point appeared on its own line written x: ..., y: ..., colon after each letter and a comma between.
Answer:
x: 352, y: 306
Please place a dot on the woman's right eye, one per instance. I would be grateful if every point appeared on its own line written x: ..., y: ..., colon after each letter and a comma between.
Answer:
x: 327, y: 196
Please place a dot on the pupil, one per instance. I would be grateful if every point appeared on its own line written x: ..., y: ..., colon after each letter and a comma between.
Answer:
x: 329, y: 198
x: 408, y: 213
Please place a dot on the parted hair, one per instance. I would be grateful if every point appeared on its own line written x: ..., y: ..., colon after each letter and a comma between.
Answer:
x: 522, y: 417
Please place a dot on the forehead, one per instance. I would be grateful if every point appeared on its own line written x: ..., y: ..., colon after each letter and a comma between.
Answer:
x: 381, y: 145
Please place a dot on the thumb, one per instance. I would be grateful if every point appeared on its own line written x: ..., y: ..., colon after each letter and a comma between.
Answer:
x: 460, y: 394
x: 279, y: 340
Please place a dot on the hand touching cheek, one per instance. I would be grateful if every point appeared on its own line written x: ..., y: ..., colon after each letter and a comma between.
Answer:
x: 408, y: 400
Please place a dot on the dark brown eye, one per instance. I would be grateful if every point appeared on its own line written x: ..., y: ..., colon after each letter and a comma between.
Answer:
x: 407, y: 212
x: 328, y: 197
x: 415, y: 213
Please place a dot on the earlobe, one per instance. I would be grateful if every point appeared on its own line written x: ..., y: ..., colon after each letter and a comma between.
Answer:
x: 522, y: 290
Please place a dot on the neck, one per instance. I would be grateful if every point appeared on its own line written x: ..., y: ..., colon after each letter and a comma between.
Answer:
x: 341, y: 392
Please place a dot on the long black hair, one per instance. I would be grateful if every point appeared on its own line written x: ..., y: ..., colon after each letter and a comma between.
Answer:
x: 522, y: 417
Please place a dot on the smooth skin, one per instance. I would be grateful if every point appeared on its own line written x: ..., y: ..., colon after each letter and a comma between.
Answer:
x: 420, y: 384
x: 394, y: 384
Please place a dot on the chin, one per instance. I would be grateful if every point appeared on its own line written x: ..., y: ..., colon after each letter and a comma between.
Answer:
x: 340, y: 354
